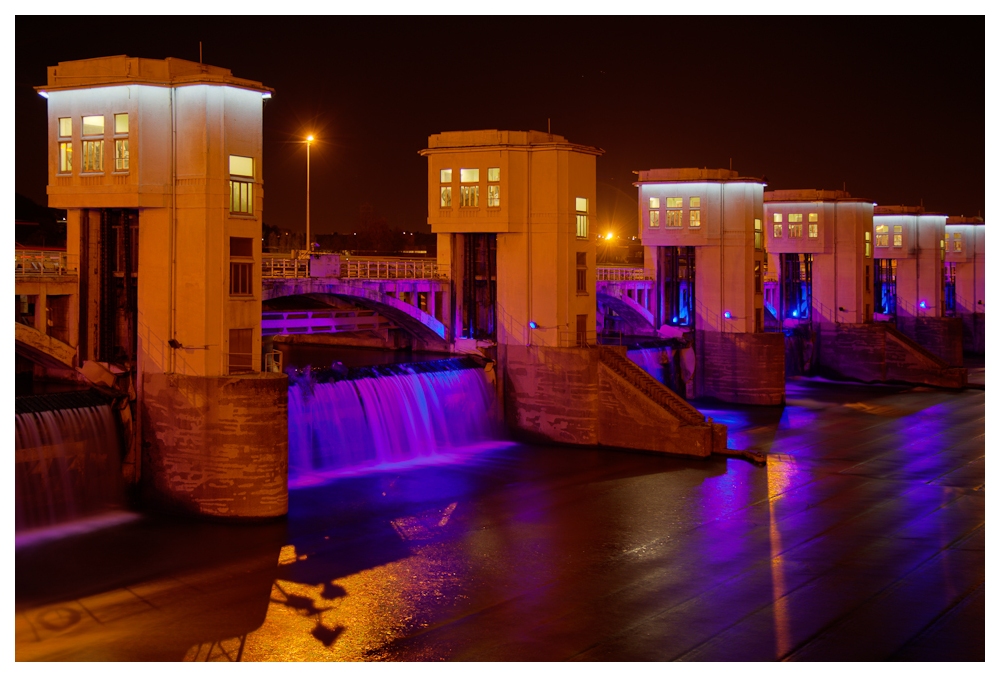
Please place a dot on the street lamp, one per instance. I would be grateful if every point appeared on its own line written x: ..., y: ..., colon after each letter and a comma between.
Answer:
x: 309, y: 140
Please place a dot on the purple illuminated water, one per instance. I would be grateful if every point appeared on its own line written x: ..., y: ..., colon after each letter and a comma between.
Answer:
x: 67, y: 466
x: 386, y: 420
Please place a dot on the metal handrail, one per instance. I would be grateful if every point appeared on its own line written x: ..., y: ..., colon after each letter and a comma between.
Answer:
x: 614, y: 273
x: 39, y: 262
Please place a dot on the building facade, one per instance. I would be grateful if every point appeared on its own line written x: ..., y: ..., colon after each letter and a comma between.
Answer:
x: 702, y: 230
x: 158, y: 164
x: 910, y: 281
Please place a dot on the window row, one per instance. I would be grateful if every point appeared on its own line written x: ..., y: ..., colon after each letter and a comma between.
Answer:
x: 673, y: 213
x: 469, y: 188
x: 953, y: 242
x: 795, y: 225
x: 882, y: 236
x: 92, y: 149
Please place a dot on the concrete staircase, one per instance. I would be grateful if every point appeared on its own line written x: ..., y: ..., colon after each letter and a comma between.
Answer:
x: 906, y: 360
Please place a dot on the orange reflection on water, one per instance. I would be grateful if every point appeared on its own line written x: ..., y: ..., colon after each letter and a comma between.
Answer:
x: 356, y: 617
x: 781, y: 474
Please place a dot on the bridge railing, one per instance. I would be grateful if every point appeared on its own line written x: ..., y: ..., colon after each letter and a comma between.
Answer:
x: 273, y: 266
x: 389, y: 269
x: 38, y: 262
x: 621, y: 273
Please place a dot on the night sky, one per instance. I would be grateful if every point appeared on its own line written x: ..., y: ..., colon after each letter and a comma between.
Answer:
x: 894, y: 107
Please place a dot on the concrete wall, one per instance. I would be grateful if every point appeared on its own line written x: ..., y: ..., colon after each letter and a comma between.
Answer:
x: 875, y: 352
x: 216, y: 446
x: 569, y: 396
x: 970, y: 279
x: 941, y: 336
x: 741, y: 368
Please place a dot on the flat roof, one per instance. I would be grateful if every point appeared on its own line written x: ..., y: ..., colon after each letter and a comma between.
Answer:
x: 107, y: 71
x: 811, y: 195
x: 494, y: 139
x: 901, y: 210
x: 689, y: 174
x: 965, y: 221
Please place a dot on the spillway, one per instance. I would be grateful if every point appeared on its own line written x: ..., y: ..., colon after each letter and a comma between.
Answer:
x: 387, y: 415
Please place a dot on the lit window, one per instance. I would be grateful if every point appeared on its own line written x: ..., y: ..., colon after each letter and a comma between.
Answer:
x: 445, y: 196
x: 813, y: 217
x: 675, y: 202
x: 958, y: 242
x: 777, y: 229
x: 695, y: 218
x: 582, y: 220
x: 93, y: 125
x: 881, y: 240
x: 694, y: 202
x: 795, y: 225
x: 868, y: 245
x: 65, y: 127
x: 240, y: 351
x: 882, y: 228
x: 493, y: 189
x: 93, y: 156
x: 813, y: 229
x: 758, y: 235
x: 241, y: 266
x: 897, y: 240
x: 674, y: 218
x: 654, y: 203
x: 121, y: 142
x: 947, y: 242
x: 469, y: 175
x: 65, y: 156
x: 777, y: 217
x: 240, y: 185
x: 469, y: 196
x: 445, y: 176
x: 897, y: 229
x: 654, y: 218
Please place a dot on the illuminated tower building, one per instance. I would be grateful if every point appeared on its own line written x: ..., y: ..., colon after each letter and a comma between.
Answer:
x: 965, y: 278
x: 514, y: 215
x: 819, y: 243
x: 158, y: 164
x: 702, y: 230
x: 910, y: 281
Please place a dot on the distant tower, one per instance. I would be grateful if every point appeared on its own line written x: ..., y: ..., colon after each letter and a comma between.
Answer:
x: 965, y: 278
x: 910, y: 254
x: 819, y: 242
x: 704, y: 245
x: 158, y: 164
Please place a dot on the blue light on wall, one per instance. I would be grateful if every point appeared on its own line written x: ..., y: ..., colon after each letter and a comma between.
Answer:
x: 533, y: 324
x: 923, y: 304
x: 728, y: 315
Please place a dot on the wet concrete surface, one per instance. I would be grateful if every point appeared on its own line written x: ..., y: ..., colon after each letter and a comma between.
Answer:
x: 863, y: 538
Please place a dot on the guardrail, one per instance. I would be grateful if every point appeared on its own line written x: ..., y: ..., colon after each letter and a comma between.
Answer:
x: 320, y: 321
x: 606, y: 273
x: 389, y: 269
x: 40, y: 262
x: 283, y: 267
x: 354, y: 269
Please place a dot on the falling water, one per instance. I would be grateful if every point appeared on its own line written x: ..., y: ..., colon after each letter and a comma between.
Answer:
x: 68, y: 466
x: 388, y: 415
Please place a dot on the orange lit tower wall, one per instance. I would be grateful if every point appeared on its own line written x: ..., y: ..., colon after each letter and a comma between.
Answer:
x: 141, y: 155
x: 736, y: 360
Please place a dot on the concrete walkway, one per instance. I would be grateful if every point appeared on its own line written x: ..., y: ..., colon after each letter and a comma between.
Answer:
x: 862, y: 539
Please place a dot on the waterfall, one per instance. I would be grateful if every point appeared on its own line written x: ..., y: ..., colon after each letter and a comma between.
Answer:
x: 67, y: 465
x: 387, y: 415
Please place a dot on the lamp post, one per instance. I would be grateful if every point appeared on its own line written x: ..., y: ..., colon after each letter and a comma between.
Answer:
x: 309, y: 140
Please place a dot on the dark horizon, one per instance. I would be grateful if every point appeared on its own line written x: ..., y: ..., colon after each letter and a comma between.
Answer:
x: 891, y: 107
